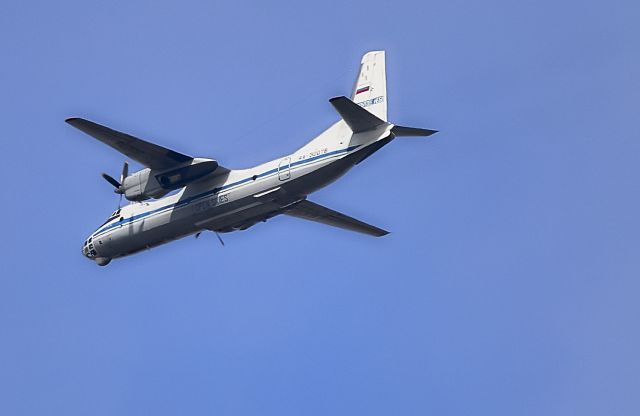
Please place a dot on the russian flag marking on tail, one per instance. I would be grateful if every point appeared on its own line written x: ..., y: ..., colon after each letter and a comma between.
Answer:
x: 362, y: 89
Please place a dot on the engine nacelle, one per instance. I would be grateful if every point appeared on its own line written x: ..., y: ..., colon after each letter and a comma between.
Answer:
x: 152, y: 183
x: 142, y: 185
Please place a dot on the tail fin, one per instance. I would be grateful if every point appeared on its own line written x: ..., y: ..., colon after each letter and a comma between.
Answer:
x: 370, y: 91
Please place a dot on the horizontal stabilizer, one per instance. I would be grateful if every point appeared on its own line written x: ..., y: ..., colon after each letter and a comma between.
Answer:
x: 308, y: 210
x: 400, y: 131
x: 356, y: 117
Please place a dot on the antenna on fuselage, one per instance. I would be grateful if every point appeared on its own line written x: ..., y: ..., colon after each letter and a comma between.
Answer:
x: 219, y: 238
x: 217, y: 235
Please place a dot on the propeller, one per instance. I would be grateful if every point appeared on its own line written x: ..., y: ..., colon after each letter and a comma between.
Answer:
x: 118, y: 185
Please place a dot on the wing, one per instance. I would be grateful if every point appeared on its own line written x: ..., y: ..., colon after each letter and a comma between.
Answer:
x: 311, y: 211
x: 148, y: 154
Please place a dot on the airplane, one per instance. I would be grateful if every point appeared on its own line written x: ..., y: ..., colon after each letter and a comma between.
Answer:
x: 211, y: 197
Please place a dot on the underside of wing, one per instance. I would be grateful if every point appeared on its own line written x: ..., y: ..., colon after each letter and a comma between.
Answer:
x: 148, y: 154
x: 311, y: 211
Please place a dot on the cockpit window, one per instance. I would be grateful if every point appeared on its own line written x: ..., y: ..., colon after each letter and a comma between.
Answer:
x: 111, y: 217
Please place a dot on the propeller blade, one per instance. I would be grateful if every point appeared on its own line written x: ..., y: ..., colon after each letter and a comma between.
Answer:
x: 112, y: 181
x: 125, y: 171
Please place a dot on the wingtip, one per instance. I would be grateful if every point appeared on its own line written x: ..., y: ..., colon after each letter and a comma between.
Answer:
x: 334, y: 99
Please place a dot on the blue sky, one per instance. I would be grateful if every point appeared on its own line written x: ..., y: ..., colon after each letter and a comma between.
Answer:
x: 509, y: 283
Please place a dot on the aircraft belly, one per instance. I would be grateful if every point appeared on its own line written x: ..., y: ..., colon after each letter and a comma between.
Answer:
x: 312, y: 178
x: 248, y: 209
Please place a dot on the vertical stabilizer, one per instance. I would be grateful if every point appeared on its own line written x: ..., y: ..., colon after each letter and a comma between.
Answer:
x: 370, y: 91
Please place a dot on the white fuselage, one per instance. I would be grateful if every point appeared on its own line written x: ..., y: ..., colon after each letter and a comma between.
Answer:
x: 236, y: 199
